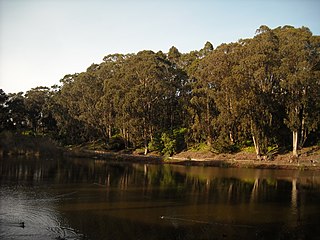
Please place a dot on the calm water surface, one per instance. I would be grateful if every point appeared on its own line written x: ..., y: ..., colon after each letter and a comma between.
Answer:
x: 95, y: 199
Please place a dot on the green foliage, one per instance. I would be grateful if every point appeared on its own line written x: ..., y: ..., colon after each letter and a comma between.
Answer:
x: 169, y: 143
x: 223, y: 145
x: 156, y: 144
x: 249, y: 149
x: 116, y: 142
x: 256, y: 90
x: 201, y: 147
x: 173, y: 142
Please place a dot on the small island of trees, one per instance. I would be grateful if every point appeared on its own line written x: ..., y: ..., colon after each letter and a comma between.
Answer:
x: 262, y: 92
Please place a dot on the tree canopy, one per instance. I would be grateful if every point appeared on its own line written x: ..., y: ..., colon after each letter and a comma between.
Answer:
x: 263, y: 91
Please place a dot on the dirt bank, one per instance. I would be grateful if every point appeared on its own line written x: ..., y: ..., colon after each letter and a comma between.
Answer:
x: 309, y: 159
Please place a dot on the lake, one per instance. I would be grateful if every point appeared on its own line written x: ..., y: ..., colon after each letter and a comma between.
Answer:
x: 99, y: 199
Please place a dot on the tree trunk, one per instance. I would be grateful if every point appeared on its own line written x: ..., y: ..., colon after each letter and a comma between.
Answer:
x: 303, y: 136
x: 256, y: 147
x: 209, y: 138
x: 231, y: 137
x: 295, y: 143
x: 145, y: 147
x: 145, y: 140
x: 109, y: 125
x: 127, y: 138
x: 109, y: 131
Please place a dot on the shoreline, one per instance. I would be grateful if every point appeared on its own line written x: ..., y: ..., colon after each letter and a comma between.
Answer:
x: 240, y: 160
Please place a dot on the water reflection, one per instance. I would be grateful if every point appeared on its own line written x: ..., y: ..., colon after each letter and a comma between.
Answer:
x: 26, y: 214
x: 94, y: 199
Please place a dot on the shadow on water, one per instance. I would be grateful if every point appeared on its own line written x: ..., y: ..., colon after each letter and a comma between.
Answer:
x: 94, y: 199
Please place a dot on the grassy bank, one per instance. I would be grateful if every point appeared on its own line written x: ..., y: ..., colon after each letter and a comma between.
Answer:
x: 17, y: 144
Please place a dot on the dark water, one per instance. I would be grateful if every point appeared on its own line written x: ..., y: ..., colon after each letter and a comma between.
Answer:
x: 92, y: 199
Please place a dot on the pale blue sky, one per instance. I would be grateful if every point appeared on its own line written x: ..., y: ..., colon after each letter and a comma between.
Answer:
x: 43, y: 40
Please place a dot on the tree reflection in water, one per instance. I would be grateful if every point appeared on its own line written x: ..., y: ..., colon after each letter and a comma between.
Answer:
x: 112, y: 200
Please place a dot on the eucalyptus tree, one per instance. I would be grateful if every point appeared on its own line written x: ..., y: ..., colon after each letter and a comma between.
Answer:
x: 245, y: 90
x: 70, y: 129
x: 111, y: 72
x: 38, y: 112
x: 88, y: 90
x: 150, y: 89
x: 201, y: 105
x: 299, y: 81
x: 215, y: 71
x: 80, y: 96
x: 174, y: 56
x: 17, y: 112
x: 256, y: 81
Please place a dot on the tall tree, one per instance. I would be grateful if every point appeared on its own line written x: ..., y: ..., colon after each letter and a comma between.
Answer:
x: 202, y: 106
x: 216, y: 69
x: 37, y: 105
x: 149, y: 88
x: 111, y: 72
x: 17, y: 113
x: 70, y: 129
x: 299, y: 81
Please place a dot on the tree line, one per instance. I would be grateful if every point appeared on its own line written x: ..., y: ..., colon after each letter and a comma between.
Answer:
x: 263, y: 91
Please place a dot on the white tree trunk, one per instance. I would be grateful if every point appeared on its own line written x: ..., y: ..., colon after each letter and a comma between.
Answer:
x: 109, y: 131
x: 256, y: 147
x: 231, y: 137
x: 295, y: 143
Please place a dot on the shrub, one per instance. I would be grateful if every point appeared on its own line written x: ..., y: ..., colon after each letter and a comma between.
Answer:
x: 173, y: 142
x: 20, y: 144
x: 223, y: 145
x: 116, y: 142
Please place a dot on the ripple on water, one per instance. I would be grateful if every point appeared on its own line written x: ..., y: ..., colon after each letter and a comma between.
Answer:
x: 27, y: 214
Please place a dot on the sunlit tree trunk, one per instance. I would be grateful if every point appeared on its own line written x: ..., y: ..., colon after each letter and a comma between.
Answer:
x: 109, y: 131
x: 231, y: 137
x: 256, y: 147
x: 295, y: 143
x: 145, y: 140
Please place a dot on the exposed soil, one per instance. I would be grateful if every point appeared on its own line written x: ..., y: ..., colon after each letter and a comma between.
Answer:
x: 309, y: 158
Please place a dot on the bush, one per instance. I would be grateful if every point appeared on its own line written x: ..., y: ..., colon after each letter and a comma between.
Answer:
x: 223, y: 145
x: 20, y: 144
x: 169, y: 144
x: 116, y: 143
x: 203, y: 147
x: 156, y: 145
x: 173, y: 142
